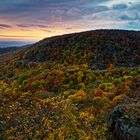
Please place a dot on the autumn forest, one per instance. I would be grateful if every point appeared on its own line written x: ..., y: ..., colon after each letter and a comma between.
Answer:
x: 80, y: 86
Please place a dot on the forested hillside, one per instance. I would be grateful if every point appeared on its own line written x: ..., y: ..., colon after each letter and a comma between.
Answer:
x: 8, y: 49
x: 96, y: 48
x: 66, y: 88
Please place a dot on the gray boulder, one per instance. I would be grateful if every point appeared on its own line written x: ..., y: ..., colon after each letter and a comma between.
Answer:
x: 125, y: 122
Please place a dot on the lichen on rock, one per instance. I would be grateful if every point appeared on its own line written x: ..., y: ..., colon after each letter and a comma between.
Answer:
x: 125, y: 122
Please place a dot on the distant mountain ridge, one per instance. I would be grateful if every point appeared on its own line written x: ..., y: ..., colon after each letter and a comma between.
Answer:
x: 7, y: 54
x: 8, y: 49
x: 98, y: 48
x: 7, y: 44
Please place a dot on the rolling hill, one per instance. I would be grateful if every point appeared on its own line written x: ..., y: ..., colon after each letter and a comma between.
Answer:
x: 72, y: 87
x: 97, y: 48
x: 8, y: 53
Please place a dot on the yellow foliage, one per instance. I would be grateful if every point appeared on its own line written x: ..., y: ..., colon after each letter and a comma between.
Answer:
x: 107, y: 86
x: 80, y: 75
x: 116, y: 99
x: 90, y: 76
x: 82, y: 84
x: 66, y: 85
x: 79, y: 95
x: 126, y: 77
x: 42, y: 81
x: 3, y: 84
x: 66, y: 93
x: 62, y: 132
x: 85, y: 66
x: 109, y: 95
x: 84, y: 114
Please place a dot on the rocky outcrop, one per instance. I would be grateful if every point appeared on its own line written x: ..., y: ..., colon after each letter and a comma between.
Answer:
x: 125, y: 122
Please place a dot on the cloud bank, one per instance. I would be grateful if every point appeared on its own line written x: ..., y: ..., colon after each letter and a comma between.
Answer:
x: 69, y: 16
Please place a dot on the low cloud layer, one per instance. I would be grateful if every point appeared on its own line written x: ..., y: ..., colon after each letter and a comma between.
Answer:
x: 4, y: 26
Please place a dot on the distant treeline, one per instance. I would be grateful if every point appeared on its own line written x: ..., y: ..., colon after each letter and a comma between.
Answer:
x: 8, y: 49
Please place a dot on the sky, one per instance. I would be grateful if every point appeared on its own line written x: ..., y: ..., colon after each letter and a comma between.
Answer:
x: 33, y: 20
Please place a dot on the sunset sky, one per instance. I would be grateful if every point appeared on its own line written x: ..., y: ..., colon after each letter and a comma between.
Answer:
x: 32, y: 20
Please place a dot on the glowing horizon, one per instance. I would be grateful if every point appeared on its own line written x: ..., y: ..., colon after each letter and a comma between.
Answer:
x: 34, y: 20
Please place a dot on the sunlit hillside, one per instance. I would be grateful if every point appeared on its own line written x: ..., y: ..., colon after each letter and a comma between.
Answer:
x: 81, y: 86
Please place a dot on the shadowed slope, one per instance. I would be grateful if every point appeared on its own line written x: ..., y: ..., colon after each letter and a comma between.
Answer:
x: 97, y: 48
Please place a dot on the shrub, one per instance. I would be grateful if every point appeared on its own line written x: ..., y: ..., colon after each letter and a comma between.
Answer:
x: 107, y: 86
